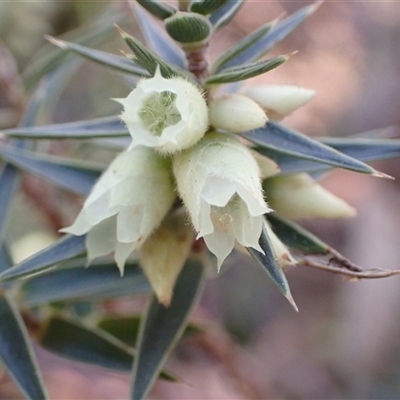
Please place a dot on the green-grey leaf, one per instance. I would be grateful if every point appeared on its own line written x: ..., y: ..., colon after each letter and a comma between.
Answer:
x: 90, y: 345
x: 291, y: 143
x: 5, y: 258
x: 224, y: 15
x: 158, y: 40
x: 126, y: 328
x: 94, y: 33
x: 16, y: 351
x: 158, y: 8
x: 150, y: 60
x: 122, y: 64
x: 241, y: 46
x: 365, y: 149
x: 296, y: 237
x: 66, y: 248
x: 80, y: 283
x: 162, y: 327
x: 9, y: 182
x: 272, y: 38
x: 95, y: 128
x: 206, y: 7
x: 268, y: 262
x: 246, y: 71
x: 77, y: 179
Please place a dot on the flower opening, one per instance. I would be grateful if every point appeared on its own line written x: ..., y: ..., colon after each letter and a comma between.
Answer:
x: 127, y: 203
x: 167, y: 114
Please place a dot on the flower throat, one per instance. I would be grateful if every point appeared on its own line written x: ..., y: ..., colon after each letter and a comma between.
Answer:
x: 159, y: 112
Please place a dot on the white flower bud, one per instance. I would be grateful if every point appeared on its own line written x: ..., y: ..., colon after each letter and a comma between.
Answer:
x: 127, y: 203
x: 236, y: 113
x: 167, y: 114
x: 267, y: 166
x: 164, y: 253
x: 219, y: 182
x: 298, y: 196
x: 279, y: 100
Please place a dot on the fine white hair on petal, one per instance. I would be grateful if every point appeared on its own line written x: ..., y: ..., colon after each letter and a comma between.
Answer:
x: 219, y: 182
x: 127, y: 203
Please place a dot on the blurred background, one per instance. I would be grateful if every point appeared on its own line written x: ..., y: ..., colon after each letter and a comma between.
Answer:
x: 344, y: 342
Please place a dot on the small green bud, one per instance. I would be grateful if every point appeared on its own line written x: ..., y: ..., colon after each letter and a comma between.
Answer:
x: 188, y: 28
x: 206, y: 6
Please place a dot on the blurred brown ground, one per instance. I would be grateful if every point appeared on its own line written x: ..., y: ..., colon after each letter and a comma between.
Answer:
x: 344, y: 342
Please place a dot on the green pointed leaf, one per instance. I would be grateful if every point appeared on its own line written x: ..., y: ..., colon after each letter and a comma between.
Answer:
x: 66, y: 248
x: 162, y: 327
x: 296, y: 237
x: 16, y: 351
x: 291, y: 143
x: 78, y: 180
x: 158, y: 8
x: 158, y: 40
x: 224, y: 15
x: 365, y: 149
x: 272, y: 38
x: 246, y: 71
x: 119, y: 63
x: 150, y: 60
x: 94, y: 128
x: 268, y: 262
x: 206, y: 7
x: 49, y: 58
x: 89, y: 345
x: 241, y: 46
x: 80, y: 283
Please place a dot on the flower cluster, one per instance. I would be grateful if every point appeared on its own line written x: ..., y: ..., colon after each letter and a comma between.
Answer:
x: 180, y: 144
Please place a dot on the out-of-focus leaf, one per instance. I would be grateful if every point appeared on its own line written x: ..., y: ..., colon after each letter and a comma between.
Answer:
x: 66, y: 248
x: 122, y: 64
x: 77, y: 179
x: 127, y: 328
x: 247, y: 71
x: 291, y: 143
x: 91, y: 34
x: 94, y: 346
x: 5, y: 258
x: 268, y: 262
x: 150, y: 60
x: 80, y: 283
x: 296, y: 237
x: 157, y: 39
x: 94, y: 128
x: 123, y: 328
x: 9, y: 175
x: 223, y: 15
x: 9, y: 182
x: 241, y: 46
x: 272, y: 38
x: 80, y: 343
x: 158, y: 8
x: 16, y: 351
x: 162, y: 327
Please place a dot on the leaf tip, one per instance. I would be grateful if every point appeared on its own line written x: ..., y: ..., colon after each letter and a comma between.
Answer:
x: 57, y: 42
x: 379, y: 174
